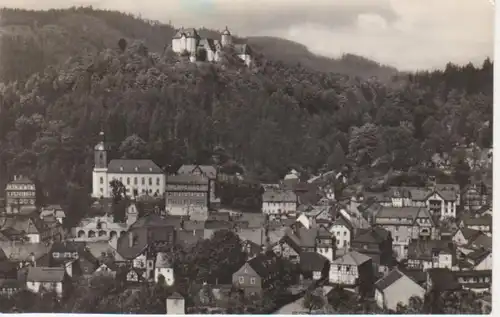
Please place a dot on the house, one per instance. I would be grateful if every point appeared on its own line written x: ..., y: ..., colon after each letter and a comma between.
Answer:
x: 187, y: 195
x: 396, y: 288
x: 164, y: 267
x: 455, y: 188
x: 136, y: 276
x: 190, y: 232
x: 47, y: 278
x: 314, y: 266
x: 278, y: 203
x: 25, y: 255
x: 20, y: 196
x: 406, y: 224
x: 442, y: 203
x: 475, y: 196
x: 147, y: 236
x: 54, y: 211
x: 9, y: 287
x: 107, y: 267
x: 29, y: 229
x: 482, y: 223
x: 175, y: 304
x: 207, y: 173
x: 139, y: 177
x: 299, y: 239
x: 343, y: 232
x: 352, y: 270
x: 376, y: 243
x: 441, y: 280
x: 480, y: 259
x: 426, y: 254
x: 464, y: 236
x: 477, y: 281
x: 251, y: 249
x: 103, y: 228
x: 257, y: 274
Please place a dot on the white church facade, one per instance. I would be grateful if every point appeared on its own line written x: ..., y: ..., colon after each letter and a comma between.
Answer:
x: 140, y: 177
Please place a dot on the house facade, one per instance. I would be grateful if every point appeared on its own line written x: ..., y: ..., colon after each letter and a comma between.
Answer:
x: 206, y: 172
x: 46, y: 278
x: 164, y: 267
x: 256, y: 274
x: 20, y: 196
x: 475, y: 196
x: 351, y: 270
x: 139, y: 177
x: 406, y: 224
x: 396, y: 288
x: 187, y: 195
x: 343, y: 231
x: 277, y: 203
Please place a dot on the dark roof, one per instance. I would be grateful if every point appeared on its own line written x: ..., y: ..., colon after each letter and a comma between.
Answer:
x: 388, y: 280
x: 470, y: 233
x: 134, y: 166
x: 264, y: 264
x: 218, y: 224
x: 143, y: 238
x: 418, y: 276
x: 155, y: 221
x: 46, y: 274
x: 478, y: 255
x: 186, y: 179
x: 175, y: 295
x: 22, y: 180
x: 372, y: 235
x: 312, y: 262
x: 443, y: 279
x: 424, y: 249
x: 484, y: 220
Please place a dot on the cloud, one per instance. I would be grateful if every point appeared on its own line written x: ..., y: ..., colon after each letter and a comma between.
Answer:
x: 408, y: 34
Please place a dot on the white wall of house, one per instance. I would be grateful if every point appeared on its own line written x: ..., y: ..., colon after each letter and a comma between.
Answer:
x: 328, y: 253
x: 486, y: 264
x: 342, y: 236
x: 100, y: 184
x: 139, y: 262
x: 343, y: 274
x: 168, y: 273
x: 33, y: 238
x: 36, y: 287
x: 279, y: 208
x: 399, y: 292
x: 459, y: 238
x: 142, y: 183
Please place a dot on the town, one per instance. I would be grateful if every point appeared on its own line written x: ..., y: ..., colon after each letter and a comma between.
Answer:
x: 311, y: 240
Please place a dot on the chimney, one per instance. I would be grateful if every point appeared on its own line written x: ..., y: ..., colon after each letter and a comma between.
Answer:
x: 32, y: 258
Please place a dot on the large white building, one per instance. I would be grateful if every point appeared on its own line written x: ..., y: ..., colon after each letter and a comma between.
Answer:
x: 140, y: 177
x: 188, y: 41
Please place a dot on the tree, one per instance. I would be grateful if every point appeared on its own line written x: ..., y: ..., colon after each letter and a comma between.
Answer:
x: 313, y: 301
x: 337, y: 159
x: 118, y: 190
x: 364, y: 143
x: 133, y: 147
x: 122, y: 44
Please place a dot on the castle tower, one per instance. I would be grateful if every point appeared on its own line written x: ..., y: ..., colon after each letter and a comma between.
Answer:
x: 226, y: 37
x: 100, y: 185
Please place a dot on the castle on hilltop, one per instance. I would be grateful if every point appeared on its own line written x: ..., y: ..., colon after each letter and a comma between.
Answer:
x: 188, y: 41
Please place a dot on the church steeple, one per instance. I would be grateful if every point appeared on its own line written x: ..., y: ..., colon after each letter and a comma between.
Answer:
x: 100, y: 152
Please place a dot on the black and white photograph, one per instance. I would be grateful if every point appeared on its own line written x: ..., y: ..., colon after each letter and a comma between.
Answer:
x: 246, y: 156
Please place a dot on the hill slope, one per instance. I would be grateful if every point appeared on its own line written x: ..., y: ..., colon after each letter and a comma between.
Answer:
x: 36, y: 39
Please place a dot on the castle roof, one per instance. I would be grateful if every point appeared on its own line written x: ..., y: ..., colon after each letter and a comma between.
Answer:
x: 188, y: 33
x: 226, y: 31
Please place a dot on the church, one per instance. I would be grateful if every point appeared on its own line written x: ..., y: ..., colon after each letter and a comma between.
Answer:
x: 206, y: 49
x: 140, y: 177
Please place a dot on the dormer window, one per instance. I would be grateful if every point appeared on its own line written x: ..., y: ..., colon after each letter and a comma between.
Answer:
x: 136, y: 169
x: 150, y: 169
x: 55, y: 255
x: 121, y: 168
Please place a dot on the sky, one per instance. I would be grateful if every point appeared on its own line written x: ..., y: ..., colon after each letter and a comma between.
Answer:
x: 407, y: 34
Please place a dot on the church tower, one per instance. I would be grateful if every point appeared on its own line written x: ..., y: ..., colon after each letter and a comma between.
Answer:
x: 100, y: 184
x: 226, y: 38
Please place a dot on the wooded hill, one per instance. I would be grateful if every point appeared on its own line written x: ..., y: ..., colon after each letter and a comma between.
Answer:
x: 268, y: 118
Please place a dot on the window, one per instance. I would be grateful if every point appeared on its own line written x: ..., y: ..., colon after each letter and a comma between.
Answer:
x: 150, y: 181
x: 252, y: 280
x: 345, y: 233
x: 135, y: 180
x: 157, y: 181
x: 348, y: 268
x: 143, y: 181
x: 128, y: 180
x: 101, y: 180
x: 397, y: 238
x: 241, y: 279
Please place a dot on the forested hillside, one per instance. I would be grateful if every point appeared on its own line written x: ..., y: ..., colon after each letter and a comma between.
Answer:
x: 267, y: 118
x: 32, y: 40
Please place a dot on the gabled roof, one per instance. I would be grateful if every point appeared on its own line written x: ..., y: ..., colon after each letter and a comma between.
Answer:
x: 133, y: 167
x: 46, y: 274
x: 264, y: 264
x: 352, y: 258
x: 312, y: 262
x: 396, y: 212
x: 163, y: 260
x: 374, y: 235
x: 423, y: 250
x: 187, y: 179
x: 469, y: 233
x: 388, y: 279
x: 478, y: 256
x: 279, y: 196
x: 208, y: 170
